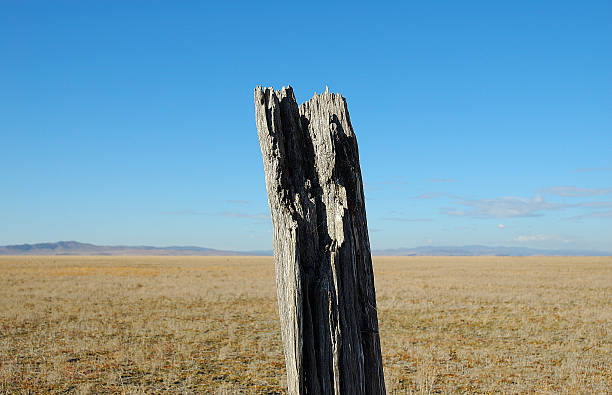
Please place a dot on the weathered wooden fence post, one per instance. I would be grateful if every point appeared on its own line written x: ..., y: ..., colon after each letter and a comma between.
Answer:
x: 324, y: 277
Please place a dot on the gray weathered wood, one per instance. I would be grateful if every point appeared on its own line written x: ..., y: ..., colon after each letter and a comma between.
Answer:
x: 323, y: 264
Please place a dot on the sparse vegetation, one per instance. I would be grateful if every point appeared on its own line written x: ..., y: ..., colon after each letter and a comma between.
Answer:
x: 210, y: 324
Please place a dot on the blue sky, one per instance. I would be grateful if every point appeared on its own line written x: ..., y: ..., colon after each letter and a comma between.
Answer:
x: 478, y: 122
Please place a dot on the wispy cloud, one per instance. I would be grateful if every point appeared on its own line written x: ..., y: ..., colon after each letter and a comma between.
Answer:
x: 528, y: 238
x: 402, y: 219
x: 594, y: 204
x: 430, y: 195
x: 542, y: 237
x: 592, y: 169
x: 182, y: 212
x: 397, y: 180
x: 596, y: 214
x: 237, y: 201
x: 512, y: 206
x: 501, y: 226
x: 256, y: 216
x: 504, y: 207
x: 400, y: 182
x: 573, y: 191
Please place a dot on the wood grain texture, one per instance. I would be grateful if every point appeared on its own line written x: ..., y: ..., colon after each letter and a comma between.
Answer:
x: 325, y: 283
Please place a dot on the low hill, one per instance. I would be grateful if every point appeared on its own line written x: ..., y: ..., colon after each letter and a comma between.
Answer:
x: 476, y: 250
x: 77, y: 248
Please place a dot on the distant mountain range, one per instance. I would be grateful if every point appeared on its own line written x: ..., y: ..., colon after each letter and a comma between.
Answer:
x: 475, y: 250
x: 76, y: 248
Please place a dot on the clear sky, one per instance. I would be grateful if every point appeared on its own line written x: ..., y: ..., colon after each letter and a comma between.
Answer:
x: 477, y: 122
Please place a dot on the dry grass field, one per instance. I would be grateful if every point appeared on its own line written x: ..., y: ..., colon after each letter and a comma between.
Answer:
x: 209, y: 325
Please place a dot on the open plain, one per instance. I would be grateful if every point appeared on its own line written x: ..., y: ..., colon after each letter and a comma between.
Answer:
x: 210, y: 325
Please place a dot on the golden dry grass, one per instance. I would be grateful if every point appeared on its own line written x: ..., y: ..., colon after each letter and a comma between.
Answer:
x: 209, y: 325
